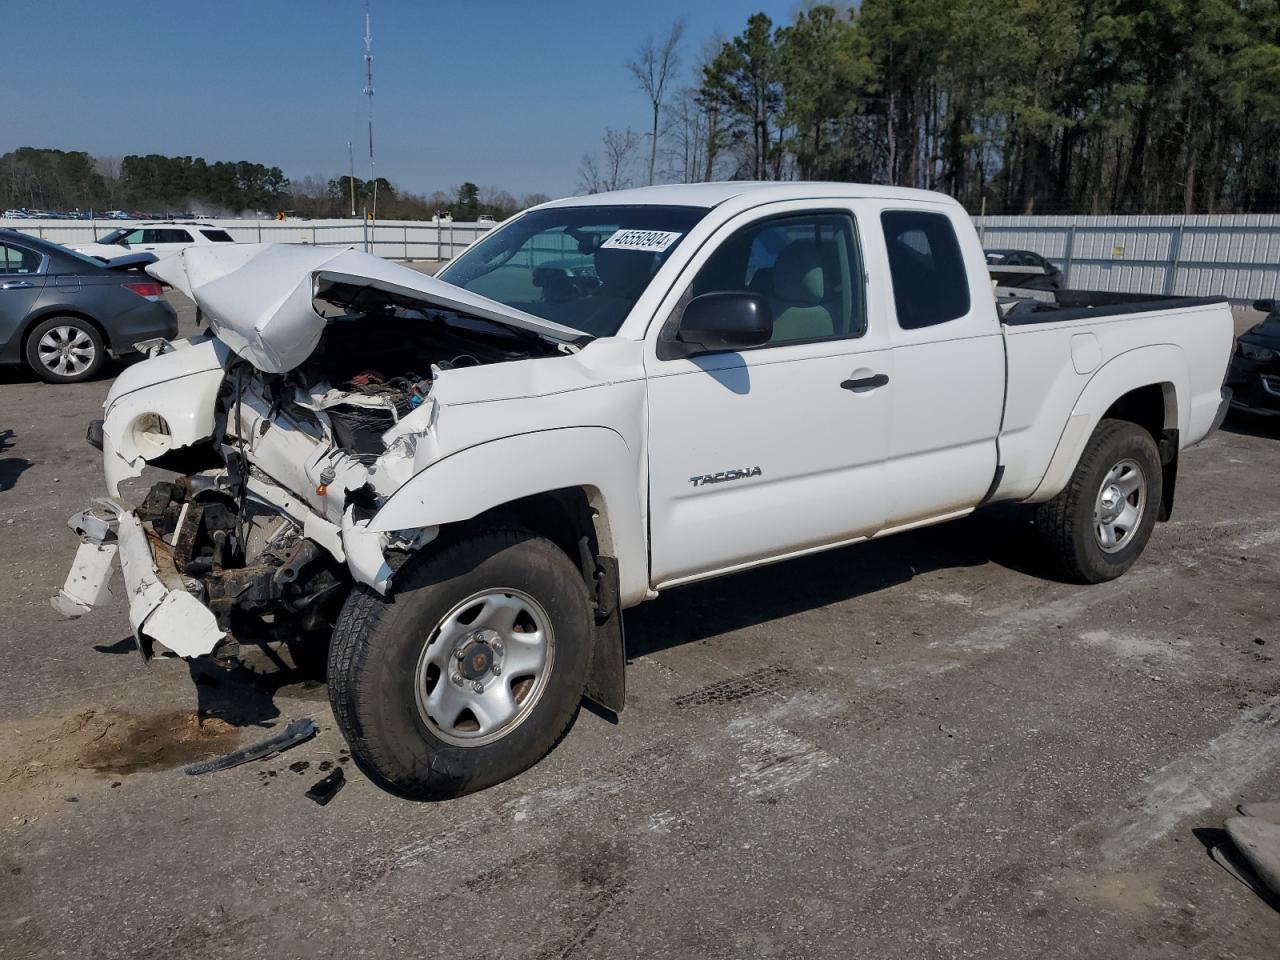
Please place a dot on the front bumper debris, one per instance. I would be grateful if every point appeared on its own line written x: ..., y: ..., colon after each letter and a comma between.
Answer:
x: 160, y: 609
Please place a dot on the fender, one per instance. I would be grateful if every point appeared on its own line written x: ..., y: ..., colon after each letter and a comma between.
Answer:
x: 470, y: 481
x: 1162, y: 363
x: 181, y: 386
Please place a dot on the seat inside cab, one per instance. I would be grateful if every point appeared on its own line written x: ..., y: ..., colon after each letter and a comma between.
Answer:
x: 803, y: 266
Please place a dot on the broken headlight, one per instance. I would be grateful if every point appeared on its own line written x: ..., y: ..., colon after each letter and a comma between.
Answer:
x: 151, y: 435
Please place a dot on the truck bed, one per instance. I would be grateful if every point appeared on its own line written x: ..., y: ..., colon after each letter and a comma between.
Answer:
x: 1074, y: 341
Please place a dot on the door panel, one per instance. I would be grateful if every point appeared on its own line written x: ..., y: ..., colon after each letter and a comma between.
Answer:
x: 763, y: 453
x: 777, y: 449
x: 21, y: 280
x: 942, y: 444
x: 949, y: 355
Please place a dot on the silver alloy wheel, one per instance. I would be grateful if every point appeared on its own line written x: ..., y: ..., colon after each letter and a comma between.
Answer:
x: 1122, y: 499
x: 66, y: 351
x: 484, y: 667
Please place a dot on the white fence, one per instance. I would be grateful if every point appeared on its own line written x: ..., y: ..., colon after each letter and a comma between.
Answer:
x: 1235, y: 256
x: 393, y: 239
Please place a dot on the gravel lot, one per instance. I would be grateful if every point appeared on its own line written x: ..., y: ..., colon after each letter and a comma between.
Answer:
x: 915, y: 748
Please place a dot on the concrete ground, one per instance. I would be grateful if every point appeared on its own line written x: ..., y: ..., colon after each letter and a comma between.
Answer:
x: 919, y: 747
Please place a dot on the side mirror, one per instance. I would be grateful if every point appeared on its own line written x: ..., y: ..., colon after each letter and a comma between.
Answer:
x: 716, y: 322
x: 1266, y: 306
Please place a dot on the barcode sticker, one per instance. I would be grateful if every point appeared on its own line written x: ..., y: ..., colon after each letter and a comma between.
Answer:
x: 646, y: 241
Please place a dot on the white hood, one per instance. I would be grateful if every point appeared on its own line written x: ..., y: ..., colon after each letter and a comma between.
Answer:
x: 258, y: 297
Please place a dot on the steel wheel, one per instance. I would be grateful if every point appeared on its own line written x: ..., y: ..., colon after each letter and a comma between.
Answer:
x: 484, y: 667
x: 66, y: 350
x: 1118, y: 510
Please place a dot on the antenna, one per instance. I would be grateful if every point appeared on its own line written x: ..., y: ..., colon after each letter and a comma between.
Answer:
x: 372, y: 212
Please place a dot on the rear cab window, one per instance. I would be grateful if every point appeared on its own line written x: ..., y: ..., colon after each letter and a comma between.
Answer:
x: 930, y: 284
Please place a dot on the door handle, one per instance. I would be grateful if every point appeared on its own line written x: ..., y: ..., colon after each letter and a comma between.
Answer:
x: 866, y: 383
x: 16, y: 285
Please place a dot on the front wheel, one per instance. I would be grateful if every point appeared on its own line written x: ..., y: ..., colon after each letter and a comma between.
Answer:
x: 1099, y: 524
x: 469, y: 671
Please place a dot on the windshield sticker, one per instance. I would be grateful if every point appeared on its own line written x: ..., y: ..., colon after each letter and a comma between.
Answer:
x: 646, y: 241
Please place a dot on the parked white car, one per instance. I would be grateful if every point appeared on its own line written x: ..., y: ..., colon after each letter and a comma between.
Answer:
x: 604, y: 398
x: 163, y: 238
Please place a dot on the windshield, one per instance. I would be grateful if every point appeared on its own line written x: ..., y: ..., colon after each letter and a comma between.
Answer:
x: 582, y: 267
x: 114, y: 236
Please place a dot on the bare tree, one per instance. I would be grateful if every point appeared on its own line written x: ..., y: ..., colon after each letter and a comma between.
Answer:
x: 108, y: 167
x: 654, y: 66
x: 686, y: 137
x: 619, y: 147
x: 589, y: 174
x: 609, y: 170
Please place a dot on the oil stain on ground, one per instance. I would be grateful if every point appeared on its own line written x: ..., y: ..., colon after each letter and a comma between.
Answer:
x: 110, y: 743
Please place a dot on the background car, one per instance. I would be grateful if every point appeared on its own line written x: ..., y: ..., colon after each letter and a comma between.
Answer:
x: 61, y: 313
x: 1254, y: 376
x: 163, y: 238
x: 1023, y: 268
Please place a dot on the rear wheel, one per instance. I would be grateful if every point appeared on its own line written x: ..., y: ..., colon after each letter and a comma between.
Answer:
x: 469, y: 671
x: 65, y: 350
x: 1098, y: 526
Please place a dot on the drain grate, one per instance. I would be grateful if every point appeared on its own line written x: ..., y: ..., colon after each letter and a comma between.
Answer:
x: 743, y: 687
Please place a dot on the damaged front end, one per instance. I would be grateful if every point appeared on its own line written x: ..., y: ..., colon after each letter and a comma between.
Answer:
x: 288, y: 427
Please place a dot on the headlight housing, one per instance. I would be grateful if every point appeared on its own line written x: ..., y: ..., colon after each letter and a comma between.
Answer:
x: 151, y: 435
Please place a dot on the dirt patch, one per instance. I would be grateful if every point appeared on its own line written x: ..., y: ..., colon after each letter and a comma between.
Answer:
x: 1131, y: 892
x: 107, y: 743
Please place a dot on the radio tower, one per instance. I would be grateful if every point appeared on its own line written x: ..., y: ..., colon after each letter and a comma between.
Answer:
x: 372, y: 211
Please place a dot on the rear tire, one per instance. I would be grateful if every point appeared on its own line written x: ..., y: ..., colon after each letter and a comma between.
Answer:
x: 411, y: 727
x: 1098, y: 526
x: 65, y: 350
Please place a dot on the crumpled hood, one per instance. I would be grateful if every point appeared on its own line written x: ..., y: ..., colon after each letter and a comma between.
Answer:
x: 258, y: 297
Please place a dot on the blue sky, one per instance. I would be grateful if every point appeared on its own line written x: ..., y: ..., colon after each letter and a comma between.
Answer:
x: 502, y: 93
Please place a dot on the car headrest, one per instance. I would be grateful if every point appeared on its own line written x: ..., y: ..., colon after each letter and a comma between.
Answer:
x: 799, y: 274
x: 624, y: 272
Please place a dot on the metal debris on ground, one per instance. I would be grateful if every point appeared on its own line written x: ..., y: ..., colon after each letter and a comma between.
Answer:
x: 298, y: 731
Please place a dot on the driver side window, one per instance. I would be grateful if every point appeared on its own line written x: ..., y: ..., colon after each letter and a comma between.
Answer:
x: 808, y: 267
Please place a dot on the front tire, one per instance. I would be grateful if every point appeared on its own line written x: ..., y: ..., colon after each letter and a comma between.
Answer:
x: 1098, y: 526
x: 469, y: 671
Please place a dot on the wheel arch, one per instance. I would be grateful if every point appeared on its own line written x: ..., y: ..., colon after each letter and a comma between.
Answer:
x: 578, y: 487
x: 533, y: 471
x: 1147, y: 386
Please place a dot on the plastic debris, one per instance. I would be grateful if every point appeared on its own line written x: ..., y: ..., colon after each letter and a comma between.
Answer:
x: 298, y: 731
x: 325, y: 790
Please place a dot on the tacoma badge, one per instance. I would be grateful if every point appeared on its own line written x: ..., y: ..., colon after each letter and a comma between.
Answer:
x: 725, y: 475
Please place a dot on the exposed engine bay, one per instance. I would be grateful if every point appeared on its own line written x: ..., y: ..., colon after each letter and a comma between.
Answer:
x: 264, y: 531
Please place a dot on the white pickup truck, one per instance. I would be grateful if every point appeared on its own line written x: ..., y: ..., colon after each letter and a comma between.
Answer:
x: 462, y: 481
